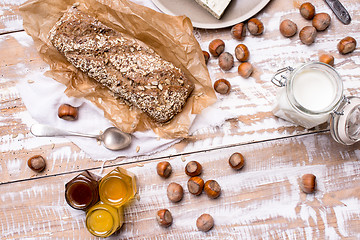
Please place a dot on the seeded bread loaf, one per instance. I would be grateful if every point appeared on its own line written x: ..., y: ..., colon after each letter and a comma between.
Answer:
x: 128, y: 67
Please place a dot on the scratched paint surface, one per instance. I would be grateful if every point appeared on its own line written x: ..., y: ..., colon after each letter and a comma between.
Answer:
x: 251, y: 99
x: 263, y: 196
x: 261, y: 201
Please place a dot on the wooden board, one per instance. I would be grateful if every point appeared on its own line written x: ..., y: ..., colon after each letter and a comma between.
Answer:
x: 261, y: 201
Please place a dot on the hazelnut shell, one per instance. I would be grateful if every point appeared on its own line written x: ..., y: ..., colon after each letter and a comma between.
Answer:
x: 205, y: 222
x: 327, y: 58
x: 193, y: 169
x: 226, y: 61
x: 238, y: 31
x: 206, y: 56
x: 68, y: 112
x: 245, y: 69
x: 164, y: 218
x: 288, y: 28
x: 255, y: 26
x: 307, y: 10
x: 321, y: 21
x: 212, y: 189
x: 307, y: 35
x: 308, y: 183
x: 164, y: 169
x: 236, y: 161
x: 222, y: 86
x: 346, y: 45
x: 175, y: 192
x: 36, y: 163
x: 216, y: 47
x: 242, y: 53
x: 195, y: 185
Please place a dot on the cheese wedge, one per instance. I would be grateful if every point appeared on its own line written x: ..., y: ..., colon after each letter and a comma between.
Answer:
x: 215, y: 7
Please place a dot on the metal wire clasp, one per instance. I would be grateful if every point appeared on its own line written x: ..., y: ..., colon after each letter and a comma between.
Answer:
x: 345, y: 100
x: 279, y: 79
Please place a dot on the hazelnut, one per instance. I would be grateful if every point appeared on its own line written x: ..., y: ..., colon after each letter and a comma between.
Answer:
x: 288, y: 28
x: 308, y: 183
x: 212, y: 189
x: 193, y: 169
x: 206, y: 56
x: 346, y: 45
x: 307, y: 35
x: 239, y: 31
x: 226, y: 61
x: 205, y: 222
x: 216, y: 47
x: 222, y: 86
x: 255, y: 26
x: 242, y: 53
x: 164, y: 169
x: 236, y: 161
x: 321, y: 21
x: 164, y: 218
x: 327, y: 58
x: 195, y: 185
x: 175, y: 192
x: 307, y: 10
x: 36, y: 163
x: 68, y: 112
x: 245, y: 69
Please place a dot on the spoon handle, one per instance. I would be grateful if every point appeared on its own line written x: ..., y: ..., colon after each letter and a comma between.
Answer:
x: 41, y: 130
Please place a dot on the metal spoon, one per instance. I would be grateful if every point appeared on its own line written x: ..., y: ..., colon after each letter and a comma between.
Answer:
x: 113, y: 138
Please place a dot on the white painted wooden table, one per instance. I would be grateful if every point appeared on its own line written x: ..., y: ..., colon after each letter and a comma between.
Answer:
x: 261, y: 201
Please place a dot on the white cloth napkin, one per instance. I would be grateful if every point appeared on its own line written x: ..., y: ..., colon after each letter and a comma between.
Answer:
x: 42, y: 96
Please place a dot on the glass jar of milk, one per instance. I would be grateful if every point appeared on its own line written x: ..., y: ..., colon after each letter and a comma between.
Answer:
x: 311, y: 94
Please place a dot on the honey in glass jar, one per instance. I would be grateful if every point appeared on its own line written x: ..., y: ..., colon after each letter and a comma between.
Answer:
x: 117, y: 187
x: 82, y: 192
x: 102, y: 220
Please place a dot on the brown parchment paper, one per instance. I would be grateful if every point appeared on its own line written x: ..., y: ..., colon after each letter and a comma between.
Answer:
x: 170, y: 36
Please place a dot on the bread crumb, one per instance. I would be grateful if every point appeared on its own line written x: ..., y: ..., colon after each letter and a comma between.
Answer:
x: 138, y: 196
x: 53, y: 146
x: 183, y: 158
x: 137, y: 149
x: 139, y: 164
x: 15, y: 135
x: 30, y: 81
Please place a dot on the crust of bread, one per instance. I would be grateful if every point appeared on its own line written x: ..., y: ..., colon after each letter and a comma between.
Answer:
x: 128, y: 67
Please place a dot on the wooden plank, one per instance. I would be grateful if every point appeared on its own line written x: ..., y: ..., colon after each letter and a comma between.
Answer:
x: 24, y: 62
x: 251, y: 98
x: 262, y: 200
x: 10, y: 19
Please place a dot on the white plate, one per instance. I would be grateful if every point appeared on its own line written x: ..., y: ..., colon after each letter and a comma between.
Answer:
x: 237, y: 11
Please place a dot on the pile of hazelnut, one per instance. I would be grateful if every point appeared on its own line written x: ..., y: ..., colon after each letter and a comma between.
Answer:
x: 242, y: 53
x: 195, y: 185
x: 308, y: 34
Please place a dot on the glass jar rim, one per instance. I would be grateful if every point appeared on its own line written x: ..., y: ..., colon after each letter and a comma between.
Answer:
x: 84, y: 181
x: 297, y: 106
x: 92, y: 231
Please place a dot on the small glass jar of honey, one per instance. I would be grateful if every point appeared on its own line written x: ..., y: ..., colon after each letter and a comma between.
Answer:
x: 82, y: 192
x: 117, y: 187
x: 102, y: 220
